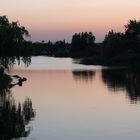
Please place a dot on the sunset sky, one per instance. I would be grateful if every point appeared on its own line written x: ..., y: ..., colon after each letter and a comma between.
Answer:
x: 60, y: 19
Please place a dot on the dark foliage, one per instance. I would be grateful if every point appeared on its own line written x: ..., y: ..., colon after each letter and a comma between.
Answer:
x: 12, y: 42
x: 119, y: 48
x: 132, y: 33
x: 59, y: 48
x: 82, y: 44
x: 114, y: 44
x: 116, y: 49
x: 9, y: 62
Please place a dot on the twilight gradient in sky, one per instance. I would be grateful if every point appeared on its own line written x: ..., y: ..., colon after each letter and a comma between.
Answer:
x: 60, y: 19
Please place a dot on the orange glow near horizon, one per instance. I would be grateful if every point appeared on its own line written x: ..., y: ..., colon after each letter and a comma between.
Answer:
x: 59, y: 19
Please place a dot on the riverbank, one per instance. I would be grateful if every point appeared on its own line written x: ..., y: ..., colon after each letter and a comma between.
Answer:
x: 129, y: 60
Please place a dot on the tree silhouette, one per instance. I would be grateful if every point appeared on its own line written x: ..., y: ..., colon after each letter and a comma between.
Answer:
x: 11, y: 37
x: 132, y: 30
x: 114, y: 44
x: 9, y: 62
x: 132, y: 33
x: 82, y: 42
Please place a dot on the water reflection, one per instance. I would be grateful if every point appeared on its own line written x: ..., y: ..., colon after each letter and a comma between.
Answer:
x: 8, y: 62
x: 83, y: 75
x: 123, y: 79
x: 14, y: 118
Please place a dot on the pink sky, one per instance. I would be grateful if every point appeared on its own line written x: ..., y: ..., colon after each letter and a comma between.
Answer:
x: 60, y: 19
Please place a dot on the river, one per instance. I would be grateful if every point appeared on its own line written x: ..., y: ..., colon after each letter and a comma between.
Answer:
x: 77, y: 102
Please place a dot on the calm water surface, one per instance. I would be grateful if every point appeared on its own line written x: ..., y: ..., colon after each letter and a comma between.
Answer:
x: 77, y: 102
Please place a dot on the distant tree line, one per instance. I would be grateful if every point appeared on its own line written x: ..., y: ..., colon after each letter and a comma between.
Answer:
x: 117, y: 48
x: 82, y: 45
x: 58, y: 48
x: 123, y: 47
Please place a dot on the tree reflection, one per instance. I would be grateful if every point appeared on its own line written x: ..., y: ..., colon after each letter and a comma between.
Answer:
x: 124, y: 79
x: 14, y: 118
x: 83, y: 75
x: 9, y: 62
